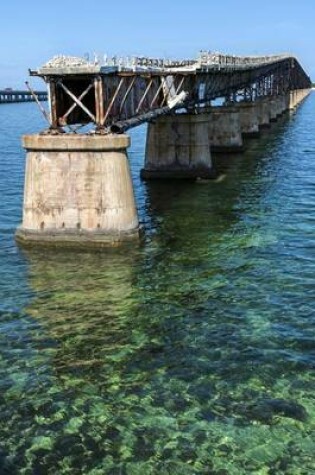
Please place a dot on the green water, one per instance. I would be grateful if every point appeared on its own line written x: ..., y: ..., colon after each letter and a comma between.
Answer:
x: 192, y: 352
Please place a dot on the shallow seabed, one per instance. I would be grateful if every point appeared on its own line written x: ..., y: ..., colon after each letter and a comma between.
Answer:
x: 190, y: 353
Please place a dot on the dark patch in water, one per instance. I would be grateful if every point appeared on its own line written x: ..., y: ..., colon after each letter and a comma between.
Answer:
x: 6, y: 467
x: 265, y: 409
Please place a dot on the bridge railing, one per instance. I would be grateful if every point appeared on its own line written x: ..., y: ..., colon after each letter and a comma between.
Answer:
x: 125, y: 92
x: 212, y: 58
x: 204, y: 58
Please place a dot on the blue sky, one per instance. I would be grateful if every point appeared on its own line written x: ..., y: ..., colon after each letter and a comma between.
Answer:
x: 33, y: 31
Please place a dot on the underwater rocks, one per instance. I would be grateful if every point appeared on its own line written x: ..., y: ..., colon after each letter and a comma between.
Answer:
x: 6, y: 467
x: 265, y: 409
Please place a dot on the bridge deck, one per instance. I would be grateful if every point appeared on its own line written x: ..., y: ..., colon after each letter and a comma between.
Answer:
x: 122, y: 93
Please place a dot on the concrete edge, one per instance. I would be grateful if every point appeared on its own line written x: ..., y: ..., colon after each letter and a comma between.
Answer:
x: 73, y: 239
x: 251, y: 135
x: 177, y: 174
x: 84, y: 142
x: 227, y: 149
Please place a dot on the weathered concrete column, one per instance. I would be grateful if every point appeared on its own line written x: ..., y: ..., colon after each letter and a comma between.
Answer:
x: 281, y: 105
x: 296, y: 96
x: 292, y: 100
x: 263, y: 113
x: 273, y: 108
x: 249, y: 119
x: 178, y: 147
x: 78, y: 191
x: 302, y: 94
x: 225, y: 132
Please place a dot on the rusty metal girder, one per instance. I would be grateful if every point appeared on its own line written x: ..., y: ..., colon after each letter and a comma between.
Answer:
x: 124, y: 98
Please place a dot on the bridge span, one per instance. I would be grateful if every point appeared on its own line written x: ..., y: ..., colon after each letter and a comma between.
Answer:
x: 9, y: 96
x: 78, y: 188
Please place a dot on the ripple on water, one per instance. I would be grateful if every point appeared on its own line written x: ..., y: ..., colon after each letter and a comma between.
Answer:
x: 191, y: 353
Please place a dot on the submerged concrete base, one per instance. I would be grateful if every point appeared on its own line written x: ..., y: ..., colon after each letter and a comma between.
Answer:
x: 78, y: 191
x: 178, y: 174
x: 178, y: 147
x: 73, y: 238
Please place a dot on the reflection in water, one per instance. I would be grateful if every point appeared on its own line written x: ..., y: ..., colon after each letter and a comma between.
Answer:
x: 191, y: 353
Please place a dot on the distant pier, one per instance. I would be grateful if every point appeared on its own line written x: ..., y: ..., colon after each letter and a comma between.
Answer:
x: 9, y: 96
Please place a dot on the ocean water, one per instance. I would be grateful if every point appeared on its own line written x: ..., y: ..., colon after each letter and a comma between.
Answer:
x: 192, y: 352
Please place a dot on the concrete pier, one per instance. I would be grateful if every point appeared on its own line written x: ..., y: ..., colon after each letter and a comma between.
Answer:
x: 178, y: 147
x: 293, y: 100
x: 273, y: 109
x: 249, y: 119
x: 263, y: 113
x: 295, y: 97
x: 280, y: 105
x: 225, y: 133
x: 78, y: 191
x: 301, y: 94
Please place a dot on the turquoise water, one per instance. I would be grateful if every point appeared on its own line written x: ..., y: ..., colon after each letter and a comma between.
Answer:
x: 190, y: 353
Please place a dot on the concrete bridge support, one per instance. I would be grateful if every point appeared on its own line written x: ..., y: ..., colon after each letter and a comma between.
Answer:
x: 263, y: 113
x: 178, y: 147
x: 225, y: 132
x: 249, y: 119
x: 301, y: 94
x: 273, y: 108
x: 78, y: 191
x: 294, y: 98
x: 280, y: 105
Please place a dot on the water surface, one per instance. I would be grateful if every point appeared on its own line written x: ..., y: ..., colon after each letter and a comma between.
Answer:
x: 190, y: 353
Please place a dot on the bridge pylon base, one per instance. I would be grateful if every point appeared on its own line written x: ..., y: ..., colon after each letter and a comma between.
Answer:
x: 225, y: 130
x: 249, y: 119
x: 78, y: 191
x: 263, y: 113
x: 178, y: 147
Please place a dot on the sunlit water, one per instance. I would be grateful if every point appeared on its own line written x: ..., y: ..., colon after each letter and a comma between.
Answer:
x: 190, y: 353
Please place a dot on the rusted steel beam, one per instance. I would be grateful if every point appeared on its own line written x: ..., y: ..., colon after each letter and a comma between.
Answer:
x: 53, y: 104
x: 99, y: 100
x: 158, y: 92
x: 127, y: 94
x: 144, y: 96
x: 180, y: 85
x: 77, y: 101
x: 62, y: 120
x: 123, y: 125
x: 38, y: 103
x: 109, y: 108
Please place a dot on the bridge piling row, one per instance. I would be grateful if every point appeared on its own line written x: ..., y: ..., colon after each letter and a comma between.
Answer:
x: 228, y: 126
x: 178, y: 147
x: 78, y: 189
x: 8, y: 96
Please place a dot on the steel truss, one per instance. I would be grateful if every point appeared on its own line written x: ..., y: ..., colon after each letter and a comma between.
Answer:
x: 116, y: 100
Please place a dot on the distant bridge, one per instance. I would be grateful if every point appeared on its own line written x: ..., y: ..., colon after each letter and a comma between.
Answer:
x: 10, y: 96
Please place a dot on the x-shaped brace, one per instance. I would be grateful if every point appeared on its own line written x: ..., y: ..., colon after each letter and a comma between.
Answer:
x: 77, y: 102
